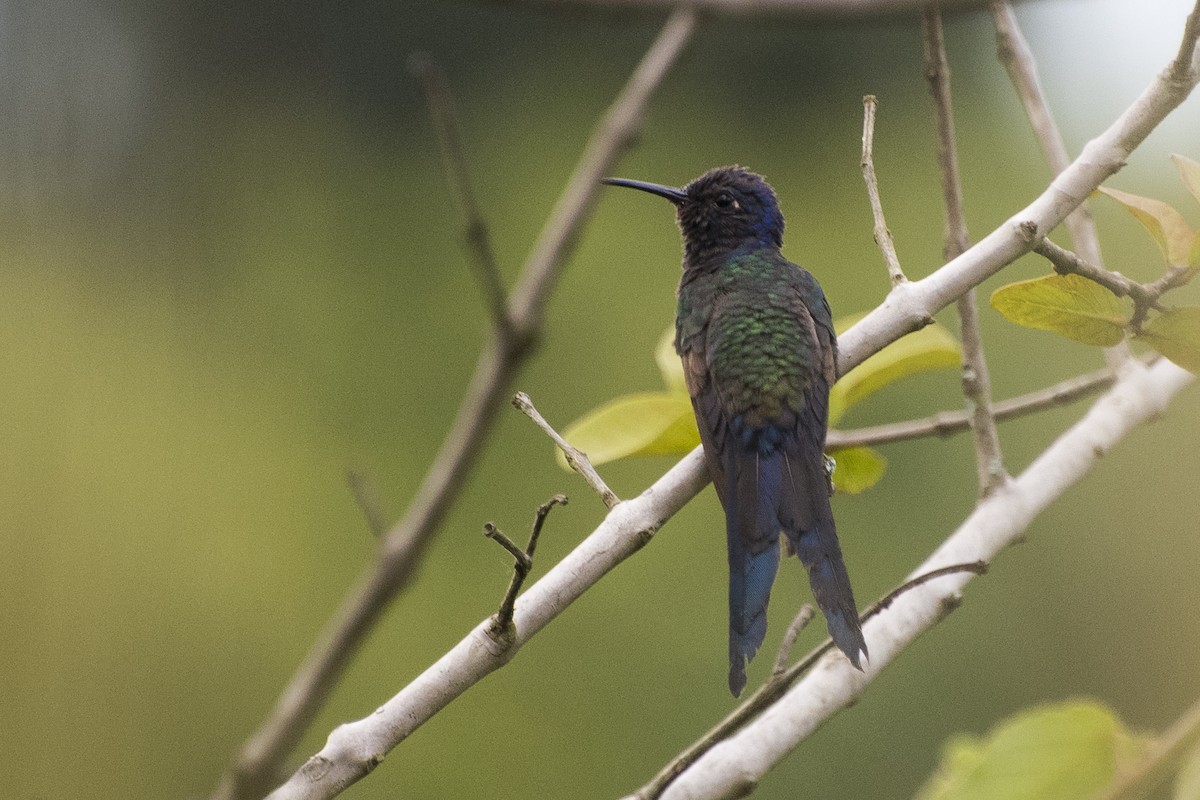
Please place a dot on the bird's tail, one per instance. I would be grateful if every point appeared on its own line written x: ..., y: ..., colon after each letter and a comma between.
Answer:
x: 750, y: 579
x: 752, y: 533
x: 821, y: 555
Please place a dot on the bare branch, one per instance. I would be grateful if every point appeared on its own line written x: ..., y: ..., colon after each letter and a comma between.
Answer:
x: 732, y: 767
x: 576, y: 459
x: 948, y: 423
x: 976, y: 382
x: 789, y: 640
x: 261, y: 757
x: 883, y: 236
x: 354, y: 748
x: 501, y: 630
x: 454, y: 160
x: 1014, y: 53
x: 911, y: 305
x: 781, y: 678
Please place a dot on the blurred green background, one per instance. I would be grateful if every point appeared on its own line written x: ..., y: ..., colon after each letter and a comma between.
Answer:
x: 230, y: 270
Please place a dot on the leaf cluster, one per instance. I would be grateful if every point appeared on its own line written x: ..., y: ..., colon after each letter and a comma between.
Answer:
x: 1101, y: 308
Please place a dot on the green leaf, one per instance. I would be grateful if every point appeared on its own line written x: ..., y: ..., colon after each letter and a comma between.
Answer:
x: 1176, y: 334
x: 645, y: 424
x: 858, y: 469
x: 668, y: 362
x: 1166, y: 225
x: 1067, y: 751
x: 1065, y: 304
x: 930, y: 348
x: 1187, y: 780
x: 1189, y: 171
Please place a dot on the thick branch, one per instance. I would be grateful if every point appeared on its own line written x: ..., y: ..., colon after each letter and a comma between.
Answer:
x: 912, y: 305
x: 260, y: 759
x: 356, y: 747
x: 733, y: 767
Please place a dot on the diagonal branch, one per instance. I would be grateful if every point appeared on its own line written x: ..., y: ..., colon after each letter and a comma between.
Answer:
x: 258, y: 763
x: 576, y: 458
x: 911, y: 305
x: 1014, y: 53
x: 733, y: 767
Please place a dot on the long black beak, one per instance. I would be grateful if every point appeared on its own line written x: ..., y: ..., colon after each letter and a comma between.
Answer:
x: 676, y: 196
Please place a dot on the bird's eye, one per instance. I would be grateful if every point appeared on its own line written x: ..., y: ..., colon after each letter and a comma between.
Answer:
x: 725, y: 200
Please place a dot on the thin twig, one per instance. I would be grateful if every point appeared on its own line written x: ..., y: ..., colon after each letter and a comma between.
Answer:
x: 976, y: 381
x: 883, y: 236
x: 1145, y: 296
x: 781, y: 678
x: 366, y: 494
x: 261, y: 757
x: 948, y: 423
x: 576, y: 459
x: 501, y: 629
x: 454, y: 160
x: 789, y: 639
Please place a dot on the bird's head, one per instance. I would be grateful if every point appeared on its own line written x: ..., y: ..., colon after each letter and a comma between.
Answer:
x: 722, y: 210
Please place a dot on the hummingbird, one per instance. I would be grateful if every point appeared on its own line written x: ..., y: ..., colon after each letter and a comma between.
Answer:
x: 755, y: 334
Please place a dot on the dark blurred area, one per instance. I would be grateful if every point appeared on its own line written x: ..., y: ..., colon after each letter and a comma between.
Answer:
x: 230, y: 271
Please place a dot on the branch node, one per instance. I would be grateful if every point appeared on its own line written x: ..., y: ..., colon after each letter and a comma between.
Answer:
x: 501, y: 629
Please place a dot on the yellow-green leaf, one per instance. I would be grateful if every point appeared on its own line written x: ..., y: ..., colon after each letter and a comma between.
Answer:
x: 668, y: 362
x: 1189, y: 171
x: 930, y: 348
x: 645, y: 424
x: 1187, y: 781
x: 858, y: 469
x: 1176, y: 334
x: 1067, y: 751
x: 1166, y: 225
x: 1065, y: 304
